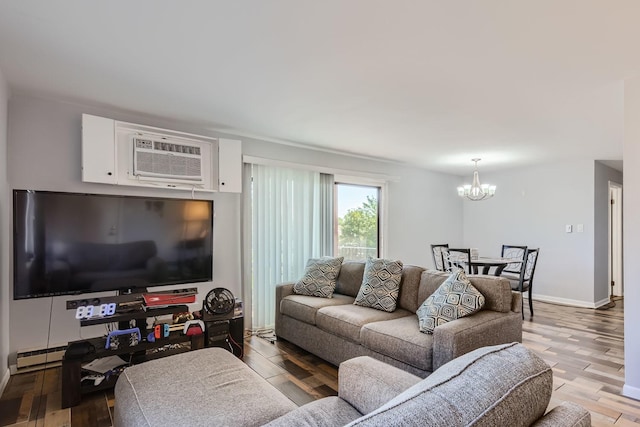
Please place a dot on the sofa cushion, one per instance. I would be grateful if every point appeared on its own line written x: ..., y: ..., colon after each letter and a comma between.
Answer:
x: 328, y: 412
x: 486, y: 387
x: 380, y: 284
x: 346, y: 320
x: 350, y: 278
x: 319, y: 278
x: 359, y: 375
x: 304, y: 308
x: 409, y: 285
x: 401, y: 339
x: 454, y: 299
x: 496, y: 290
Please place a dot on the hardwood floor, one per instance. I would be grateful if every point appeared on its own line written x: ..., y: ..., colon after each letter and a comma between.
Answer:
x: 583, y: 346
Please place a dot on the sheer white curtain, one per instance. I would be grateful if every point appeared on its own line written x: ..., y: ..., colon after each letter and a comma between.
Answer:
x: 284, y: 212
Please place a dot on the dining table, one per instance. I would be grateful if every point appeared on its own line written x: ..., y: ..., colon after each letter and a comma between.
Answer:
x: 487, y: 263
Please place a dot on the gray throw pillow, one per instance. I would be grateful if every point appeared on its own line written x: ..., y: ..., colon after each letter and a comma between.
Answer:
x: 455, y: 298
x: 319, y: 279
x: 380, y: 284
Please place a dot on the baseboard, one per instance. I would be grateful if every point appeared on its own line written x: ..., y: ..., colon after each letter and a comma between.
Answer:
x: 602, y: 302
x: 4, y: 381
x: 632, y: 392
x: 571, y: 302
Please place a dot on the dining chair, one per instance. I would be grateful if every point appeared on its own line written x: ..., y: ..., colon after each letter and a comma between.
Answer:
x: 524, y: 280
x: 438, y: 260
x: 457, y: 258
x: 513, y: 252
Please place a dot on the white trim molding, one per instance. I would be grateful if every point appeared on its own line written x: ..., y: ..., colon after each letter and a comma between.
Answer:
x: 4, y: 381
x: 366, y: 177
x: 570, y: 302
x: 632, y: 392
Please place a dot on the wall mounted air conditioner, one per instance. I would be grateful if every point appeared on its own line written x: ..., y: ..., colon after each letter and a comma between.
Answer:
x: 166, y: 159
x: 122, y: 153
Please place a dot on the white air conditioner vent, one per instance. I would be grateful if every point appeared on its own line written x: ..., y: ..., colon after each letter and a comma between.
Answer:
x: 167, y: 159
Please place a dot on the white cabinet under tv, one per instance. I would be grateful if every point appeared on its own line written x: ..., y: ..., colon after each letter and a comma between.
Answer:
x: 121, y: 153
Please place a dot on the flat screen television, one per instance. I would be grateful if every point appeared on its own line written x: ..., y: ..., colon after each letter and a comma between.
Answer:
x: 71, y: 243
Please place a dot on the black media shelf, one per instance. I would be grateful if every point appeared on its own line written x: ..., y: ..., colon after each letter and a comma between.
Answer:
x: 175, y: 337
x: 123, y: 317
x: 72, y: 385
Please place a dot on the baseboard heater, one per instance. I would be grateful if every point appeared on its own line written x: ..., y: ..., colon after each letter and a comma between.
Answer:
x: 35, y: 359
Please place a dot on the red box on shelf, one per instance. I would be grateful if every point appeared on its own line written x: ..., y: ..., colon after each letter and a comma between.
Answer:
x: 159, y: 299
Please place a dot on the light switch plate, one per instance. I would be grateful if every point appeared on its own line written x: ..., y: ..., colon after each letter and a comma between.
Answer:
x: 568, y: 228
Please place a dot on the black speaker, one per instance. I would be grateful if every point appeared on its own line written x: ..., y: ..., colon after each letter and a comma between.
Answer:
x: 227, y: 334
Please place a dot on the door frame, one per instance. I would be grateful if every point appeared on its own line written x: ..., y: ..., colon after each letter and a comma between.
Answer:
x: 615, y: 240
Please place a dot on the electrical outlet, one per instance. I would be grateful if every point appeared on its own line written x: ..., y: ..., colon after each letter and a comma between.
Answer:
x: 579, y: 228
x: 568, y: 228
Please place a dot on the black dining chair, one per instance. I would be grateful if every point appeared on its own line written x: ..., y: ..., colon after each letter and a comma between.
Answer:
x: 438, y: 260
x: 457, y: 258
x: 524, y: 280
x: 516, y: 253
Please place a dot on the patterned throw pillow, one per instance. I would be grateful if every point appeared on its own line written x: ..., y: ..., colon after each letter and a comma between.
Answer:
x: 380, y: 284
x: 455, y: 298
x: 319, y: 278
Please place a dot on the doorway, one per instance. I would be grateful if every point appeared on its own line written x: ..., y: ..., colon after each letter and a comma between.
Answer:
x: 615, y: 239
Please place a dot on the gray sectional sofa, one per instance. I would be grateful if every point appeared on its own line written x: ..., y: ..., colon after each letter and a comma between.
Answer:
x: 337, y: 330
x: 506, y: 385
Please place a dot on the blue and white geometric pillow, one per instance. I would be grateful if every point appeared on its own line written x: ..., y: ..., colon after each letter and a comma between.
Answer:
x: 380, y: 284
x: 455, y: 298
x: 319, y: 279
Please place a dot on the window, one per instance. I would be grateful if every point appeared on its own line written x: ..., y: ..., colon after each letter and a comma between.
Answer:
x: 357, y: 221
x: 292, y: 214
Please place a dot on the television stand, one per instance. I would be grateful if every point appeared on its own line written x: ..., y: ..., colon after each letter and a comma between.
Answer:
x: 84, y: 351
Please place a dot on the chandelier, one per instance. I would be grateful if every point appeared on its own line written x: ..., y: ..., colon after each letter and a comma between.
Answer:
x: 476, y: 191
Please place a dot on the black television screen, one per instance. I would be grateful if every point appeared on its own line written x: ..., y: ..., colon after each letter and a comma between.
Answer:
x: 70, y: 243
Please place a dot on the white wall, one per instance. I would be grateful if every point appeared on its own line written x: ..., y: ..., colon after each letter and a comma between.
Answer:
x: 631, y: 236
x: 5, y: 213
x: 44, y: 154
x: 531, y: 207
x: 424, y: 209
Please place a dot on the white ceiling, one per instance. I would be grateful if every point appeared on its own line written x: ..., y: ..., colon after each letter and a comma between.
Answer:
x: 432, y: 83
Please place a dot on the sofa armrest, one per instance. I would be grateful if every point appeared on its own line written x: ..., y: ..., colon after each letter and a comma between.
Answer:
x: 282, y: 290
x: 481, y: 329
x: 516, y: 302
x: 567, y: 414
x: 366, y: 383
